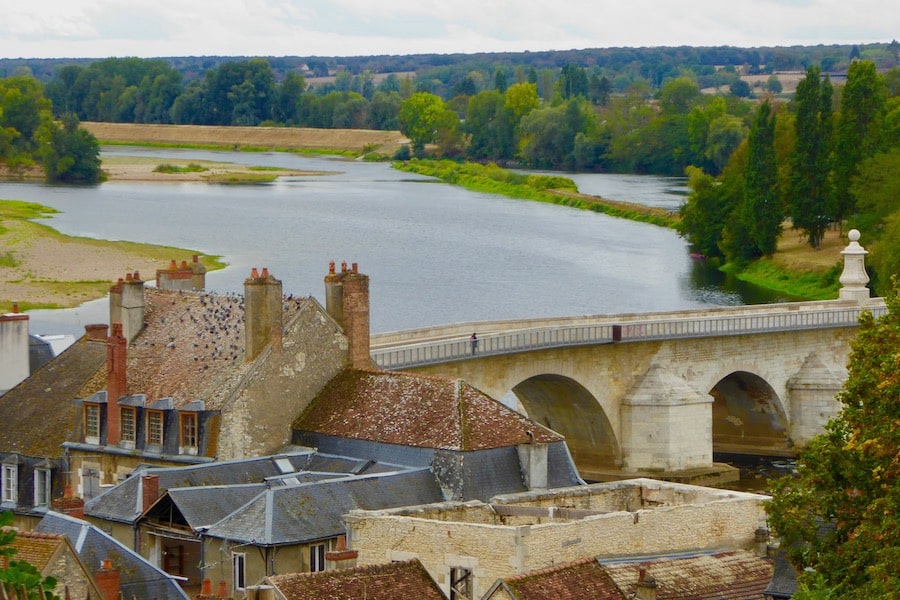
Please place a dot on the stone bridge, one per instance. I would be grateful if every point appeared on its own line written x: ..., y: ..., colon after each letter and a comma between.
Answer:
x: 658, y: 393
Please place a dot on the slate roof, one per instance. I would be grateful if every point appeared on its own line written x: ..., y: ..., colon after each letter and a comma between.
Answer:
x: 416, y: 410
x: 738, y: 575
x: 138, y: 578
x: 39, y: 413
x: 123, y: 501
x: 313, y: 511
x: 571, y: 581
x: 191, y: 348
x: 784, y: 579
x: 405, y: 580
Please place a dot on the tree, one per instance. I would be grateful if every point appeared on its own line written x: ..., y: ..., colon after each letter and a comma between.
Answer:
x: 862, y: 104
x: 424, y: 118
x: 761, y: 208
x: 20, y: 576
x: 490, y: 126
x: 809, y: 192
x: 572, y: 82
x: 69, y: 153
x: 839, y: 519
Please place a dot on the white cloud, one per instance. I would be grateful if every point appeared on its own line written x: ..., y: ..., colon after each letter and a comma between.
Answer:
x: 346, y: 27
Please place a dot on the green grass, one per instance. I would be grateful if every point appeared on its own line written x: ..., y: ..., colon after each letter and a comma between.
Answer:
x: 8, y: 260
x: 800, y: 284
x: 190, y: 168
x: 242, y: 178
x: 553, y: 189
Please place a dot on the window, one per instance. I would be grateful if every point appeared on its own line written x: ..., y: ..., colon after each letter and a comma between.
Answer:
x: 41, y: 487
x: 9, y: 483
x: 129, y: 426
x: 461, y: 587
x: 316, y: 558
x: 238, y: 568
x: 92, y: 423
x: 188, y: 432
x: 154, y: 428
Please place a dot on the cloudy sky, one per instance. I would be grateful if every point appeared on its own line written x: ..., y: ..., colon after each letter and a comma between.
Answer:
x: 102, y: 28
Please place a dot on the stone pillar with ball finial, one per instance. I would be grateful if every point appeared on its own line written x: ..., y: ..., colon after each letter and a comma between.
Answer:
x: 854, y: 278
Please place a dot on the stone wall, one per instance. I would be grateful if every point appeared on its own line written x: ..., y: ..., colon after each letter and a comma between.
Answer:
x: 646, y: 517
x: 281, y: 385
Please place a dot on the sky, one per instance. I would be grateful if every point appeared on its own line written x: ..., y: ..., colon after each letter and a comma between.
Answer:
x: 159, y: 28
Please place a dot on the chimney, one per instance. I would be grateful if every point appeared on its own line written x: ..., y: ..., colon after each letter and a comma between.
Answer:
x: 107, y: 579
x: 97, y: 331
x: 127, y: 305
x: 263, y: 300
x: 356, y: 318
x: 149, y: 491
x: 334, y: 295
x: 341, y: 557
x: 646, y: 586
x: 116, y: 382
x: 69, y: 504
x: 14, y: 365
x: 533, y: 461
x: 198, y: 274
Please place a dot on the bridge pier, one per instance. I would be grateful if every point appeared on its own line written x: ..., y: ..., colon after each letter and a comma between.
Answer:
x: 813, y: 399
x: 666, y: 425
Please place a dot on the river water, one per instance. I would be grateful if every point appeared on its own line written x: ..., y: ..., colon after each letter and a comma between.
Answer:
x: 435, y: 253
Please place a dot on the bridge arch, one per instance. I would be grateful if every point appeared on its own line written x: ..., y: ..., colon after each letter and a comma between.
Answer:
x: 567, y: 407
x: 748, y: 416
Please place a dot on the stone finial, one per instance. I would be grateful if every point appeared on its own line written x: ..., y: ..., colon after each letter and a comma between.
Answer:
x: 854, y: 278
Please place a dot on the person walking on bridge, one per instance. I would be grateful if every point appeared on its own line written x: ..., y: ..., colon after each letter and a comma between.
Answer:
x: 474, y: 340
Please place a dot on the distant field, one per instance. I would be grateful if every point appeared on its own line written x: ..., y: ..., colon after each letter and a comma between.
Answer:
x: 291, y: 138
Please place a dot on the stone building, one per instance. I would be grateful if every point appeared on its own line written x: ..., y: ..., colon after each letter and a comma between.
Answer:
x: 467, y: 546
x: 54, y: 556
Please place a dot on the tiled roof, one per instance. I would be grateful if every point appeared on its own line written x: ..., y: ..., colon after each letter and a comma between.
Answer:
x: 38, y: 414
x: 192, y: 347
x: 406, y: 580
x: 571, y: 581
x: 139, y: 578
x: 37, y: 548
x: 416, y: 410
x: 737, y: 575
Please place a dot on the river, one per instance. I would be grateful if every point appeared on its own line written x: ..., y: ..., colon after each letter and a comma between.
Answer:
x: 435, y: 253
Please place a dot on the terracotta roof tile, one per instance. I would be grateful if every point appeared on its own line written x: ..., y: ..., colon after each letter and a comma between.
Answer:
x: 393, y: 581
x: 571, y: 581
x: 37, y: 548
x: 416, y: 410
x: 736, y: 575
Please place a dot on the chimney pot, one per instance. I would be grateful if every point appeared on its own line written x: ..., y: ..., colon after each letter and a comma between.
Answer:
x: 173, y: 265
x: 184, y: 264
x: 343, y: 266
x: 137, y: 276
x: 196, y: 258
x: 265, y: 272
x: 223, y: 589
x: 254, y: 274
x: 206, y: 590
x: 128, y: 277
x: 15, y: 307
x: 331, y: 267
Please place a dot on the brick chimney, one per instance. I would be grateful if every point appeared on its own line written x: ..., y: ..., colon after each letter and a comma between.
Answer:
x: 69, y: 504
x: 116, y: 382
x: 97, y: 331
x: 149, y: 491
x: 646, y: 586
x: 107, y: 580
x: 14, y: 365
x: 341, y: 557
x: 347, y: 301
x: 127, y: 304
x: 262, y: 313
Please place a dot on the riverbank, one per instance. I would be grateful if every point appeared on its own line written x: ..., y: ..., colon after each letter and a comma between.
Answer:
x: 42, y: 268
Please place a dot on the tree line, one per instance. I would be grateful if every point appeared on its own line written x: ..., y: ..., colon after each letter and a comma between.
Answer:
x: 828, y: 158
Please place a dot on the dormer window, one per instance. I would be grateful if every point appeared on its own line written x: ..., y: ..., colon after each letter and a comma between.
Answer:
x: 41, y: 487
x: 129, y: 426
x: 188, y: 427
x: 92, y: 423
x: 155, y: 428
x: 9, y: 484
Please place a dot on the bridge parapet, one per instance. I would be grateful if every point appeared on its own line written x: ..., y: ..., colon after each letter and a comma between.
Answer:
x: 406, y: 352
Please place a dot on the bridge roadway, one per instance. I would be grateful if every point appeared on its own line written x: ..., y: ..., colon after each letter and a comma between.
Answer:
x: 658, y: 391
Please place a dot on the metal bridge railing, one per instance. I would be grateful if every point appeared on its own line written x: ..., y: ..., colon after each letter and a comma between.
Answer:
x: 542, y: 338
